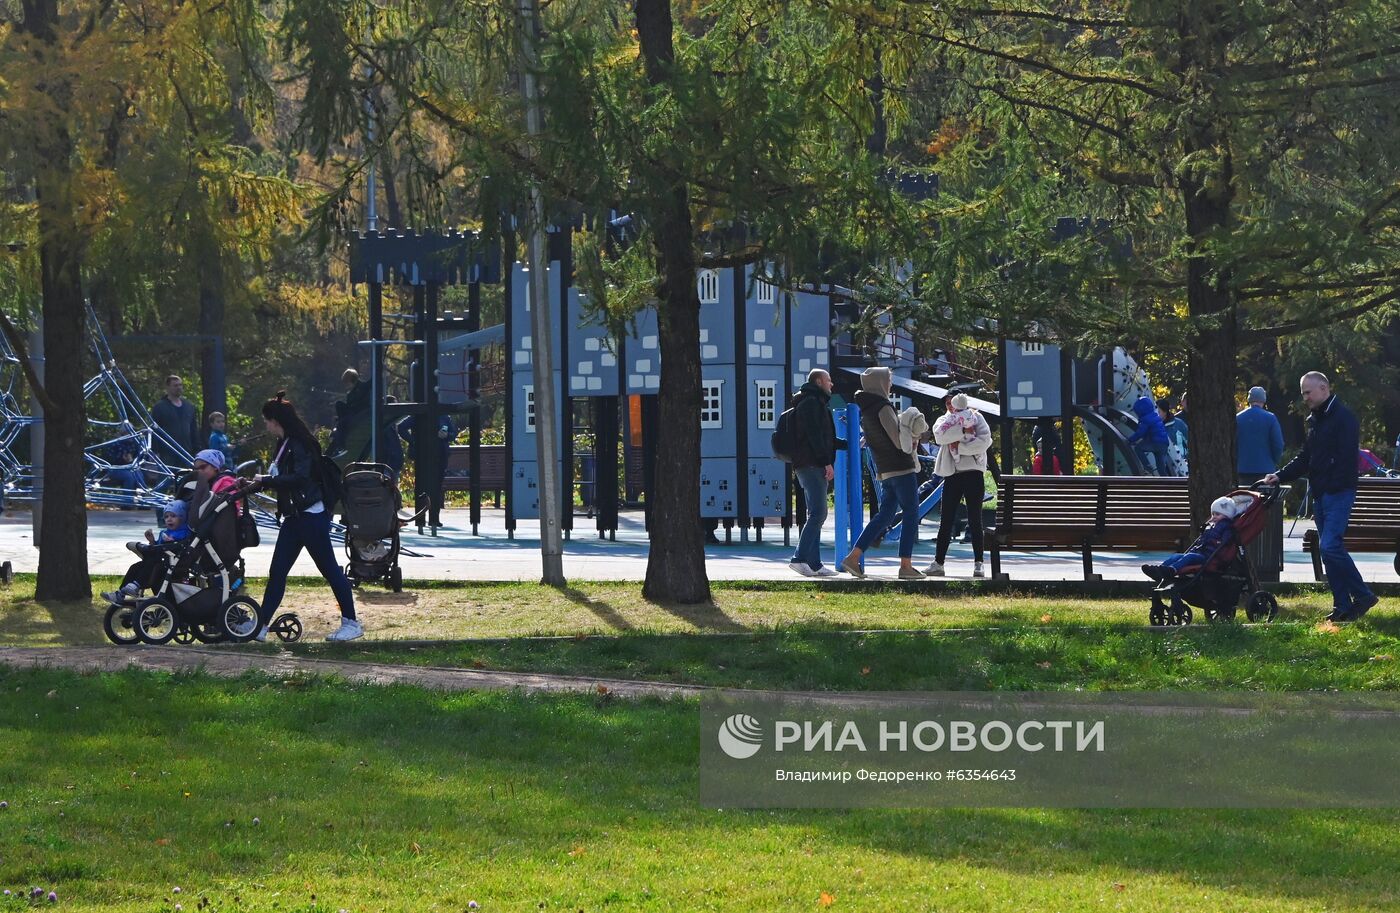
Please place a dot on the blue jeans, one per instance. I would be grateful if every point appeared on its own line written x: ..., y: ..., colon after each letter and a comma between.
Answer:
x: 898, y: 494
x: 1160, y: 461
x: 313, y: 533
x: 1332, y: 513
x: 809, y: 544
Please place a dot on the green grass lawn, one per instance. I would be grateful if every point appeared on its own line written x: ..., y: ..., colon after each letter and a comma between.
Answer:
x: 1289, y: 656
x: 483, y: 610
x: 121, y: 787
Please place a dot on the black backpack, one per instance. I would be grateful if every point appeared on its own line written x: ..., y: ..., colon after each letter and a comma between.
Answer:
x: 332, y: 482
x: 786, y: 444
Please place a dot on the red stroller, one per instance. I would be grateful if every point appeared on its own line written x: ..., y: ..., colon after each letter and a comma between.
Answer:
x: 1227, y: 577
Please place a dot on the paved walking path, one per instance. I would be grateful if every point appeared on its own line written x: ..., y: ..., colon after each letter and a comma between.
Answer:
x: 458, y: 555
x: 232, y: 663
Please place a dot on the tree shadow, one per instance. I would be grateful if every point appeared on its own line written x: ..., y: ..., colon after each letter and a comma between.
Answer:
x: 604, y: 611
x: 547, y: 773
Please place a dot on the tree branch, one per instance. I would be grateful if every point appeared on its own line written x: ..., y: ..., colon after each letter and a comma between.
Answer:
x: 16, y: 341
x: 1312, y: 323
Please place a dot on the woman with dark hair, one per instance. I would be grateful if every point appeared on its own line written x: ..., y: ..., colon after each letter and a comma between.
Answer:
x: 295, y: 475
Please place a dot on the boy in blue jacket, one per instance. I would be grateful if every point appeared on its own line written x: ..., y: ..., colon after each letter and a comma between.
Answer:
x: 1150, y: 438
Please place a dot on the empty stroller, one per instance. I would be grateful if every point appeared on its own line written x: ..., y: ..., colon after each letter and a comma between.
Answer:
x: 1227, y: 576
x: 372, y: 522
x: 202, y: 596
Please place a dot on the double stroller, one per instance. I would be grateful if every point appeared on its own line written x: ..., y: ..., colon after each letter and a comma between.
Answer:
x: 1227, y: 577
x: 201, y: 595
x: 373, y: 518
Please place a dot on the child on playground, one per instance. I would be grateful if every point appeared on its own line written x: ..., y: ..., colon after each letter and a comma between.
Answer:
x: 145, y: 574
x: 218, y: 435
x: 1218, y: 532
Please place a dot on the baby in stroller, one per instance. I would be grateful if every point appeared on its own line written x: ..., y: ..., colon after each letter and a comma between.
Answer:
x: 147, y: 573
x: 1218, y: 534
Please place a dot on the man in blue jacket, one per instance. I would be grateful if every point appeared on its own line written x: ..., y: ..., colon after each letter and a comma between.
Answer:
x: 1328, y: 459
x: 1260, y: 439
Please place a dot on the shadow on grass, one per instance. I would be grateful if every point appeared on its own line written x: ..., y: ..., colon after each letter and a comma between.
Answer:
x: 537, y: 775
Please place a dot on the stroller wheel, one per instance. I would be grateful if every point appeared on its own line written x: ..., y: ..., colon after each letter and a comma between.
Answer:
x: 287, y: 627
x: 154, y: 621
x: 1262, y: 606
x: 238, y: 619
x: 117, y: 625
x: 396, y: 579
x: 1217, y: 616
x: 1179, y: 613
x: 184, y: 635
x: 207, y: 634
x: 1157, y: 615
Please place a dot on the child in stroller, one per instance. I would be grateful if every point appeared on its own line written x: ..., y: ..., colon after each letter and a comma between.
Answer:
x: 146, y: 573
x: 1219, y: 532
x: 1215, y: 571
x: 199, y: 594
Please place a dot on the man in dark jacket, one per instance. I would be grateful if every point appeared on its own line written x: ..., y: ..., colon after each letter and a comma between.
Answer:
x: 178, y: 418
x: 1328, y: 459
x: 813, y: 465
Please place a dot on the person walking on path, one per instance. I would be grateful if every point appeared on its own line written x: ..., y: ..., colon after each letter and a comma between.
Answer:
x: 897, y: 471
x: 296, y: 476
x: 179, y: 419
x: 1150, y: 438
x: 1259, y: 437
x: 814, y: 466
x: 964, y: 437
x: 1328, y: 459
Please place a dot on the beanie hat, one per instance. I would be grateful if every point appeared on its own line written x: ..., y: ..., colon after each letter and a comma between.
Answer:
x: 1223, y: 506
x: 958, y: 402
x: 177, y: 507
x: 1257, y: 395
x: 212, y: 457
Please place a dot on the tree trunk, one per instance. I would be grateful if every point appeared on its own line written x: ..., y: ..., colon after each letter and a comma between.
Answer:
x: 212, y: 376
x: 63, y: 571
x: 676, y: 561
x: 1207, y: 195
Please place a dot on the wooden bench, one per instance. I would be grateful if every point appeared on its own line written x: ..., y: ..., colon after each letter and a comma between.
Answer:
x: 1089, y: 513
x: 493, y: 469
x: 1374, y: 526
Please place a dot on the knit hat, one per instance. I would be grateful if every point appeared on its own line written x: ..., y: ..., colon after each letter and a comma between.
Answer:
x: 212, y: 457
x: 958, y: 402
x: 1257, y: 395
x: 1223, y: 506
x: 177, y: 507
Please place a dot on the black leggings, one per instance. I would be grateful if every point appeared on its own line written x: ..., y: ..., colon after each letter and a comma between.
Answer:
x: 961, y: 488
x: 150, y: 570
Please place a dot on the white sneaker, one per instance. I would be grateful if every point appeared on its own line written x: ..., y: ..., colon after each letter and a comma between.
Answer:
x: 349, y: 630
x: 825, y: 571
x: 977, y: 570
x: 935, y: 569
x: 802, y: 568
x: 261, y: 636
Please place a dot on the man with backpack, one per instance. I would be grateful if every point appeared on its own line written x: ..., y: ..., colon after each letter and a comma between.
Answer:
x: 806, y: 437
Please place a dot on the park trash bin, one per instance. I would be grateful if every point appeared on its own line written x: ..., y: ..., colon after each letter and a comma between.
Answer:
x: 1266, y: 551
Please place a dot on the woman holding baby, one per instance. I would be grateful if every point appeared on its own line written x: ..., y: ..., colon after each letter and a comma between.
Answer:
x: 964, y: 437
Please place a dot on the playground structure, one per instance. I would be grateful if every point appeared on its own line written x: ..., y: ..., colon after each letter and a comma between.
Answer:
x: 757, y: 343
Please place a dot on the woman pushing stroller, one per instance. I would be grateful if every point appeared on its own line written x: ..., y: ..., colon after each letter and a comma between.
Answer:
x: 298, y: 478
